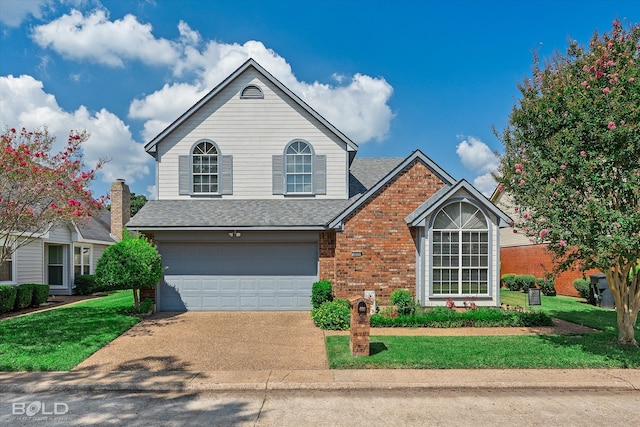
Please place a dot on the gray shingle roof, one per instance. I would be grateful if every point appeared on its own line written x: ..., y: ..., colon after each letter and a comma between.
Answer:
x: 268, y: 213
x: 237, y: 213
x: 97, y: 228
x: 366, y: 172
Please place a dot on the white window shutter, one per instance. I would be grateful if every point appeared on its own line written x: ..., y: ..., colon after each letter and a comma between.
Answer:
x: 277, y: 174
x: 184, y: 175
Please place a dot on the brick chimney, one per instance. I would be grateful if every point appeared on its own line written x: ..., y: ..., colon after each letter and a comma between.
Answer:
x: 120, y: 208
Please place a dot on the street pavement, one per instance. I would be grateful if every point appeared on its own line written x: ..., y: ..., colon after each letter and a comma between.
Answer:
x: 375, y: 407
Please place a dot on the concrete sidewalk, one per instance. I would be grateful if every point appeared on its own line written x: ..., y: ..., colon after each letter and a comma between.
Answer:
x: 379, y: 379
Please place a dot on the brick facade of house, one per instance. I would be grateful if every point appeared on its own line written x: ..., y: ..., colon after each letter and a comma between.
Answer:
x: 535, y: 260
x: 376, y: 251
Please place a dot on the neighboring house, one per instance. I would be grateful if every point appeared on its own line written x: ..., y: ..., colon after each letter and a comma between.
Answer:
x: 67, y: 250
x: 519, y: 255
x: 259, y: 196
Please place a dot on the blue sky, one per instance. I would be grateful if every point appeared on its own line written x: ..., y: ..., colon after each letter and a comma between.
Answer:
x: 393, y: 75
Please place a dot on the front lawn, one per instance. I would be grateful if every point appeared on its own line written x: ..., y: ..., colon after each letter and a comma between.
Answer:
x: 593, y: 350
x: 59, y: 339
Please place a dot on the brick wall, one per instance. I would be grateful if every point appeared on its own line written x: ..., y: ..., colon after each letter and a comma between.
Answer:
x: 534, y: 259
x: 379, y: 232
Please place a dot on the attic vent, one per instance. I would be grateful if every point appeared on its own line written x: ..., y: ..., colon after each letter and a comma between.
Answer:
x: 252, y: 92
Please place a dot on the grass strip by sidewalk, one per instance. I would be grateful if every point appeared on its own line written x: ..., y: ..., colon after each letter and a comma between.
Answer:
x: 593, y: 350
x: 59, y: 339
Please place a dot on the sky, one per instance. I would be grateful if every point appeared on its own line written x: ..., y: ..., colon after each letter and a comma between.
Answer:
x: 394, y: 76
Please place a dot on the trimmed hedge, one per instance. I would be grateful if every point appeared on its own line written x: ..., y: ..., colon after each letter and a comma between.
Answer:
x: 24, y: 296
x: 7, y: 298
x: 442, y: 317
x: 510, y: 282
x: 583, y: 286
x: 320, y: 293
x: 522, y: 282
x: 40, y: 294
x: 85, y: 284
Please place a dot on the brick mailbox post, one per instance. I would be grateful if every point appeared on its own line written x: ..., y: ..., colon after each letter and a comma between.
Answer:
x: 359, y: 342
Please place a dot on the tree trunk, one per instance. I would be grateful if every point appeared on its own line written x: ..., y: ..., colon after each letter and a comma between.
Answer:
x: 136, y: 299
x: 626, y: 294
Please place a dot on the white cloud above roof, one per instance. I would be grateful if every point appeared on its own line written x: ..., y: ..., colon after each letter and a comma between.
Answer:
x: 24, y: 103
x: 479, y: 158
x: 95, y: 38
x: 357, y: 105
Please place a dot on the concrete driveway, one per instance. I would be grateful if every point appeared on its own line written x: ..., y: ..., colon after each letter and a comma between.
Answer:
x: 211, y: 341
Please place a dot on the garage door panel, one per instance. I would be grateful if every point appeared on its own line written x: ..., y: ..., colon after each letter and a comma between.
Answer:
x: 238, y: 276
x: 215, y: 293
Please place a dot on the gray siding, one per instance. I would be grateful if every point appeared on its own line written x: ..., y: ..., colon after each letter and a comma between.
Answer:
x: 252, y: 131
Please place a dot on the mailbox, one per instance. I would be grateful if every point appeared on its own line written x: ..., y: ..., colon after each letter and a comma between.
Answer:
x: 359, y: 327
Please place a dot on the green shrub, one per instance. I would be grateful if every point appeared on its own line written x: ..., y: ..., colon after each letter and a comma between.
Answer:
x: 525, y: 281
x: 24, y: 296
x: 146, y: 305
x: 403, y: 299
x: 131, y: 263
x: 7, y: 298
x: 510, y: 282
x: 332, y: 315
x: 583, y: 286
x: 547, y: 286
x: 40, y: 294
x: 442, y: 317
x: 85, y: 284
x: 321, y: 293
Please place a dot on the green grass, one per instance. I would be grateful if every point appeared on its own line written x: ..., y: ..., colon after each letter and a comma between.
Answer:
x: 592, y: 350
x: 59, y: 339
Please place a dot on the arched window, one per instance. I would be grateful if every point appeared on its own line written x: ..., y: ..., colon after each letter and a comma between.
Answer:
x: 204, y: 168
x: 460, y: 251
x: 299, y: 168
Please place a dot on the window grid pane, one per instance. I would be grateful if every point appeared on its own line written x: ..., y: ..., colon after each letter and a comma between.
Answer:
x: 460, y: 257
x: 299, y: 171
x: 204, y: 169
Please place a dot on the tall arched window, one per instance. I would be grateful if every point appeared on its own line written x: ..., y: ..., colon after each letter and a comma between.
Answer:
x: 204, y: 168
x: 299, y: 168
x: 460, y: 251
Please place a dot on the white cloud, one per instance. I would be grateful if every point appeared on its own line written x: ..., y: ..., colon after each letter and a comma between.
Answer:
x: 13, y: 12
x: 485, y: 184
x: 478, y: 157
x: 358, y: 107
x: 95, y: 38
x: 24, y: 103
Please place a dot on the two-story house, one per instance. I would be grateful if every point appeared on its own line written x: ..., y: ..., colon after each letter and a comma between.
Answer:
x: 259, y: 196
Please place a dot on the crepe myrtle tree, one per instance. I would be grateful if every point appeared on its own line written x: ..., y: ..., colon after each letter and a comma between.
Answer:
x: 39, y: 188
x: 132, y: 263
x: 572, y: 162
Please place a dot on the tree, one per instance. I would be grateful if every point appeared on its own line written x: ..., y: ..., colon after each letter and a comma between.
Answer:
x: 137, y: 202
x: 572, y: 162
x: 132, y: 263
x: 39, y: 189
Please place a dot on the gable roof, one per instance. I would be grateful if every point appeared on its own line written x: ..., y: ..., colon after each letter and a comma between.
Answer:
x: 150, y: 147
x: 416, y: 155
x: 435, y: 202
x: 97, y: 229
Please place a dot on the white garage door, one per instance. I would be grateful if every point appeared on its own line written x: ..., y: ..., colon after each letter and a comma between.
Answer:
x: 237, y: 276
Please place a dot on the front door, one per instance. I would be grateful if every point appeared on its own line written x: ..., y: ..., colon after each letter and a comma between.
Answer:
x: 56, y: 266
